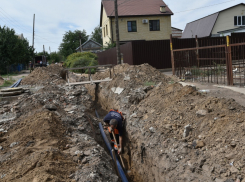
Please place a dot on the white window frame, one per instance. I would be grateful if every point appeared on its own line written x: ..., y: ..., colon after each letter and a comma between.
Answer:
x: 237, y: 21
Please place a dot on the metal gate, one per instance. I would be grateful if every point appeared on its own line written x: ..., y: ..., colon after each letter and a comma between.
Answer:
x: 220, y: 64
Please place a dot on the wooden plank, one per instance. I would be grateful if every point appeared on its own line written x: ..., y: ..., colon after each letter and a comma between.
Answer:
x: 89, y: 82
x: 87, y: 67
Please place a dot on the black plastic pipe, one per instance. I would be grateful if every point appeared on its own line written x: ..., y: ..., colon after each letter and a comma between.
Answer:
x: 121, y: 172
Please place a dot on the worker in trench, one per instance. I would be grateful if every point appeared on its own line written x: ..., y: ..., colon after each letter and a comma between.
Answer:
x: 114, y: 122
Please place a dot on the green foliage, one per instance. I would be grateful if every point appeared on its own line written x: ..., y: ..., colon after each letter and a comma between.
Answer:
x: 71, y: 41
x: 13, y: 50
x: 81, y: 59
x: 97, y: 34
x: 8, y: 83
x: 109, y: 45
x: 149, y: 83
x: 71, y: 58
x: 56, y: 58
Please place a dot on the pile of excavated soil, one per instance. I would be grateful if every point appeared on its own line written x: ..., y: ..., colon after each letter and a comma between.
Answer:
x: 45, y: 75
x: 53, y: 137
x: 1, y: 81
x: 175, y: 133
x: 33, y: 150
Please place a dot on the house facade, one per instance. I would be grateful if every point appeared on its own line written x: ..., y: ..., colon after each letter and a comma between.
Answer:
x: 230, y: 20
x: 138, y: 20
x: 176, y: 33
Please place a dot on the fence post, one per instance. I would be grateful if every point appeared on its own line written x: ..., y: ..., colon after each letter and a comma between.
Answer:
x: 172, y: 54
x: 229, y: 61
x: 197, y: 52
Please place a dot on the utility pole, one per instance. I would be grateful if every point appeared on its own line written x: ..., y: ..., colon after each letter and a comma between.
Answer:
x: 43, y: 50
x: 117, y: 34
x: 33, y: 38
x: 49, y: 50
x: 80, y: 42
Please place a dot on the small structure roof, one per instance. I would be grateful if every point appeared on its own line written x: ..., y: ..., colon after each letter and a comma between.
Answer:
x: 232, y: 30
x: 89, y: 40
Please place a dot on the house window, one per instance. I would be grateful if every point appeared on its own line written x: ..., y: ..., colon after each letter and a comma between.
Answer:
x: 239, y: 20
x: 106, y: 30
x: 154, y: 25
x: 132, y: 27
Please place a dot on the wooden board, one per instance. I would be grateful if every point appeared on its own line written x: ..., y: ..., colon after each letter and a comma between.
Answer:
x: 4, y: 94
x: 11, y: 89
x: 89, y: 82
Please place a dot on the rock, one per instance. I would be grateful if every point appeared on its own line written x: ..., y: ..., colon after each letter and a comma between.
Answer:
x: 232, y: 108
x: 153, y: 130
x: 168, y: 126
x: 80, y: 128
x: 50, y: 107
x: 84, y: 161
x: 187, y: 131
x: 39, y: 164
x: 87, y: 153
x: 1, y: 148
x: 234, y: 170
x: 231, y: 155
x: 219, y: 180
x: 72, y: 176
x: 199, y: 144
x: 233, y: 144
x: 13, y: 144
x: 201, y: 113
x: 229, y: 180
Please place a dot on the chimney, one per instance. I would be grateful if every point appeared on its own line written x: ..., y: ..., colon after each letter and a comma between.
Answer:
x: 163, y: 9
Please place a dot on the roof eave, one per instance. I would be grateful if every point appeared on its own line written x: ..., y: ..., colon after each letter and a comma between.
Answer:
x: 112, y: 16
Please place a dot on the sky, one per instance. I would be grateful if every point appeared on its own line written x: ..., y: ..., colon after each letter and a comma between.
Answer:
x: 55, y: 17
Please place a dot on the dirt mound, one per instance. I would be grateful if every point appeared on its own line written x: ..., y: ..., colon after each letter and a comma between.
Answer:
x: 45, y: 75
x: 175, y: 133
x: 1, y: 81
x: 34, y: 153
x: 51, y: 136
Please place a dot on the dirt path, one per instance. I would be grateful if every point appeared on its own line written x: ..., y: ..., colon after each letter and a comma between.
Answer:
x: 220, y: 91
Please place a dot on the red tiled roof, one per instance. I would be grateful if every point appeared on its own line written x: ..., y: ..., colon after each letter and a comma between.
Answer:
x: 135, y: 7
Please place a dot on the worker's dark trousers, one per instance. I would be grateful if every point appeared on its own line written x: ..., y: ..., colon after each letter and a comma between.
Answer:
x: 117, y: 137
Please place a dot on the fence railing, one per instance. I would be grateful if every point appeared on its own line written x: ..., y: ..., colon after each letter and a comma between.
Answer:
x: 221, y: 64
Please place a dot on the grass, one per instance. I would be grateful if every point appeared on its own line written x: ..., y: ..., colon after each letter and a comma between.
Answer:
x: 9, y: 75
x: 8, y: 83
x: 149, y: 83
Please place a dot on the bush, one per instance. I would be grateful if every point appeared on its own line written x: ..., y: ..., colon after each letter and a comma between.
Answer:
x: 76, y: 56
x: 81, y: 59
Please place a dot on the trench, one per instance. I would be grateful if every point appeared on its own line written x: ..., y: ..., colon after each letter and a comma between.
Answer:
x: 132, y: 166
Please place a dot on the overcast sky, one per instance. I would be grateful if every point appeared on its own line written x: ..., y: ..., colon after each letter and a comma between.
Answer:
x: 55, y: 17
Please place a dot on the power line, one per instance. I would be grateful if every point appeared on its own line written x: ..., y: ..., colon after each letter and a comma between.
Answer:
x: 204, y: 6
x: 9, y: 19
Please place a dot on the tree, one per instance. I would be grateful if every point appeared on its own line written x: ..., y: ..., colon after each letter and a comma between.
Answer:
x: 13, y: 50
x: 71, y: 41
x: 56, y: 57
x: 97, y: 34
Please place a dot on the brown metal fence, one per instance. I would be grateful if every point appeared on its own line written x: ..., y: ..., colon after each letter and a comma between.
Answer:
x: 156, y: 53
x: 215, y: 60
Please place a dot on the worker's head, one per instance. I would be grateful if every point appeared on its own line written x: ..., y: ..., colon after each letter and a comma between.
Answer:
x: 113, y: 123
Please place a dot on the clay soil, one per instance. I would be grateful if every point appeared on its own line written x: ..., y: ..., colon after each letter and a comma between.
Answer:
x: 175, y: 133
x: 46, y: 75
x: 38, y: 155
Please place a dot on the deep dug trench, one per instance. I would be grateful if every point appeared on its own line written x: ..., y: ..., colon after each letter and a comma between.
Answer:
x: 175, y: 133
